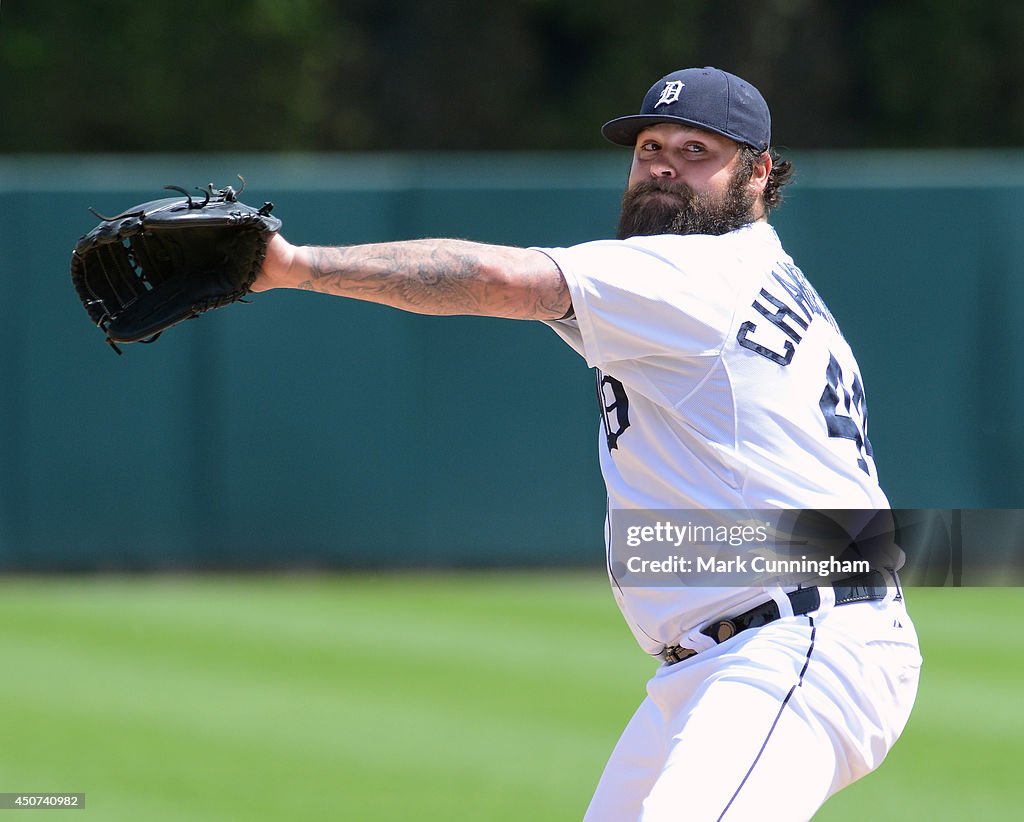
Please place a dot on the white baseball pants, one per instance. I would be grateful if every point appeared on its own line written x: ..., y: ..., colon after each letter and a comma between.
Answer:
x: 769, y: 724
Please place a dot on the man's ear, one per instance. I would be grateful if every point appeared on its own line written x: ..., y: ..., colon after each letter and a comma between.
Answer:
x: 759, y: 174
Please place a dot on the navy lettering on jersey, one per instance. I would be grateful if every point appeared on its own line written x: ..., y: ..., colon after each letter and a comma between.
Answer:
x: 611, y: 397
x: 743, y: 338
x: 778, y: 317
x: 846, y: 410
x: 790, y: 319
x: 795, y: 284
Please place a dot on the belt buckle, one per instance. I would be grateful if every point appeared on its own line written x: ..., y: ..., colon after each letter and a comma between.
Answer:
x: 722, y: 630
x: 673, y: 654
x: 718, y: 631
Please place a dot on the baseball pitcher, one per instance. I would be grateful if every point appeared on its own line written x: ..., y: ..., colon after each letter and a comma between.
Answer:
x: 724, y: 384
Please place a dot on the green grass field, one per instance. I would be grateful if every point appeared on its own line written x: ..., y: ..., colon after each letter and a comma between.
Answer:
x: 490, y: 696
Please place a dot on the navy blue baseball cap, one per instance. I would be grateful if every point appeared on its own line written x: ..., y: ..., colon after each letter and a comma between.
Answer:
x: 707, y: 98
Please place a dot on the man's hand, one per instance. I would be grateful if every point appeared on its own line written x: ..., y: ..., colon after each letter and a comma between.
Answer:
x: 277, y: 265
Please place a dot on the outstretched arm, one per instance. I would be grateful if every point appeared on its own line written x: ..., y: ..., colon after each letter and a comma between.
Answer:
x: 425, y: 276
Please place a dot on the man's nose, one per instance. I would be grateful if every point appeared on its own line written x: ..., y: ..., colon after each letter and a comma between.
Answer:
x: 662, y: 170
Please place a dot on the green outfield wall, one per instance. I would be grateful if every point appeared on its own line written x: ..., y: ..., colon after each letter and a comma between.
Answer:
x: 308, y: 431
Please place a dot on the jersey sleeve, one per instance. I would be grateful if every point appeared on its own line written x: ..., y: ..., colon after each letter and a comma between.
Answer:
x: 633, y: 301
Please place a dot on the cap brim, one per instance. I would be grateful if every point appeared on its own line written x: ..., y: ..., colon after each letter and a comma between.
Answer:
x: 623, y: 131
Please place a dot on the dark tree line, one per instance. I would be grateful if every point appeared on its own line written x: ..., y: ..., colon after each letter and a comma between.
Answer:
x: 297, y: 75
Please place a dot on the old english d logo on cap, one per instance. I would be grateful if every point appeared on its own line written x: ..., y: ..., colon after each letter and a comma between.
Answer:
x: 706, y: 98
x: 670, y: 93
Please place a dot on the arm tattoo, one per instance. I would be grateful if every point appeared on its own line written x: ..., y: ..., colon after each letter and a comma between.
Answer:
x: 443, y: 277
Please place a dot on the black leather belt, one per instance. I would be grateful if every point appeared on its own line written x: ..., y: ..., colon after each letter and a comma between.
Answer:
x: 868, y: 587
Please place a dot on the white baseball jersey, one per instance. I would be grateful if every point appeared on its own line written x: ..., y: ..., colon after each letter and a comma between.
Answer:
x: 724, y: 383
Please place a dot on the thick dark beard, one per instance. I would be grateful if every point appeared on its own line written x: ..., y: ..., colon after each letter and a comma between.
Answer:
x: 670, y: 207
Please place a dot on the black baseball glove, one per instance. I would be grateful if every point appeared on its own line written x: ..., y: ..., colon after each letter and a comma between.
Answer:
x: 169, y: 260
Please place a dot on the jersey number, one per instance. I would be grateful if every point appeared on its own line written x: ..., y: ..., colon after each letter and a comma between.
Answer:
x: 614, y: 404
x: 846, y: 411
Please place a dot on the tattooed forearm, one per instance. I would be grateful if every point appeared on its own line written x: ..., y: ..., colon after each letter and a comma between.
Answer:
x: 442, y: 277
